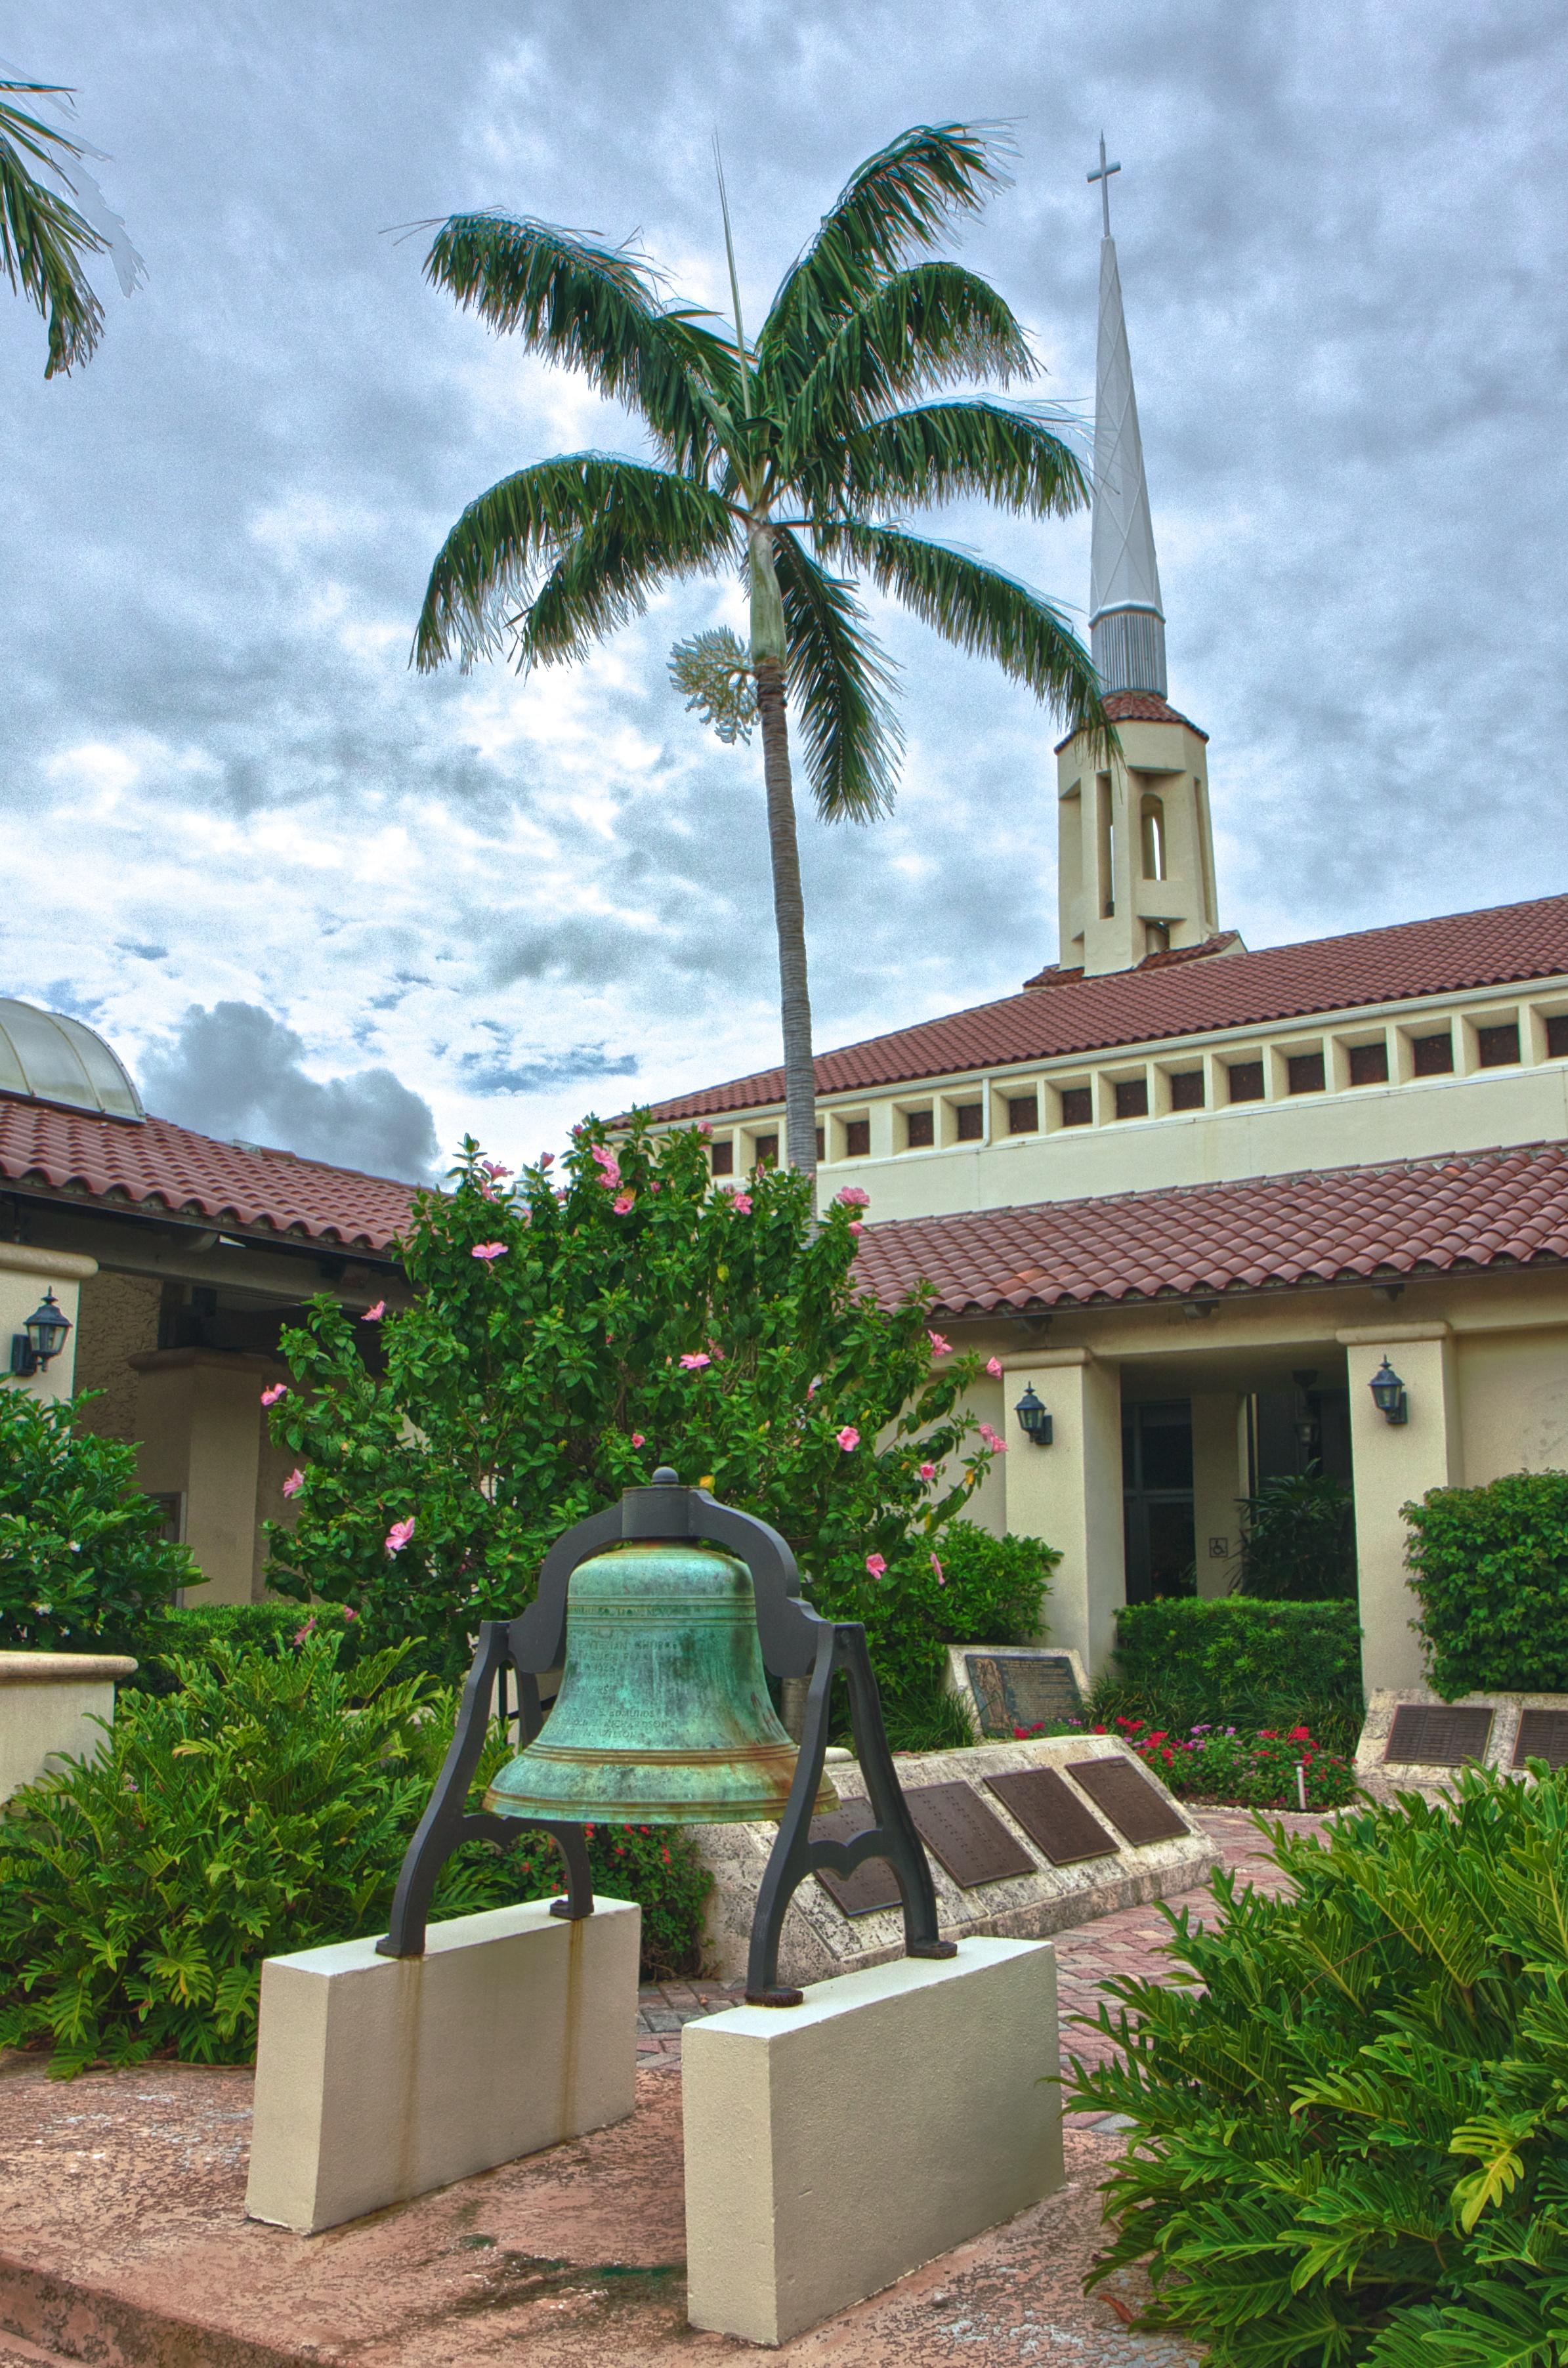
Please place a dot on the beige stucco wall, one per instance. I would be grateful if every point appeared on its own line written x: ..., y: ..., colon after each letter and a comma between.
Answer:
x: 119, y: 1320
x: 25, y: 1275
x: 201, y: 1424
x: 1513, y: 1395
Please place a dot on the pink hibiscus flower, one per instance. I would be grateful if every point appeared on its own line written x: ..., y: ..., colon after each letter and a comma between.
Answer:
x: 854, y: 1226
x: 694, y: 1363
x: 608, y: 1166
x: 741, y: 1201
x: 941, y: 1574
x: 623, y: 1203
x: 638, y: 1439
x: 940, y: 1347
x: 294, y: 1483
x: 994, y: 1440
x: 547, y: 1160
x: 489, y: 1250
x: 993, y: 1367
x: 271, y: 1397
x: 852, y: 1196
x: 494, y: 1169
x: 850, y: 1439
x: 398, y: 1536
x: 876, y: 1565
x: 927, y: 1472
x: 374, y: 1315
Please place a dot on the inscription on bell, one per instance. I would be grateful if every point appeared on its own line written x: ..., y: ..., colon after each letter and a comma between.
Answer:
x: 1133, y: 1806
x: 1543, y: 1735
x: 1052, y: 1816
x: 1436, y: 1735
x: 1015, y: 1689
x: 873, y: 1884
x: 966, y: 1836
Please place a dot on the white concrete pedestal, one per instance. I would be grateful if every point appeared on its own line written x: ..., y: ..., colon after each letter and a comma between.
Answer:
x: 378, y: 2078
x: 832, y: 2147
x: 49, y: 1706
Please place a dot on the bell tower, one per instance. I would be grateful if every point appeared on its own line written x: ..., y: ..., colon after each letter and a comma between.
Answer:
x: 1135, y: 850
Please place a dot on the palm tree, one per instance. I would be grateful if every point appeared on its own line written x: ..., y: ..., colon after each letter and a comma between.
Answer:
x: 44, y: 239
x: 793, y: 460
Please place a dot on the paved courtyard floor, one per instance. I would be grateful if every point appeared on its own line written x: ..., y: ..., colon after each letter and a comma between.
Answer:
x: 123, y: 2240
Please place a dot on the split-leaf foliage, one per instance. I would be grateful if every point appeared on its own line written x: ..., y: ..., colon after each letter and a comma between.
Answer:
x: 1350, y: 2144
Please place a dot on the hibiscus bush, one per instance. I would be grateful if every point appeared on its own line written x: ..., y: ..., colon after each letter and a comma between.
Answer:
x: 82, y: 1564
x: 1255, y: 1769
x: 573, y: 1329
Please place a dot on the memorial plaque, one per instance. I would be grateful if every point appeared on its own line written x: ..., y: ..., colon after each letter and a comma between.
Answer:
x: 1022, y: 1689
x: 1434, y: 1735
x: 1543, y: 1735
x: 873, y: 1884
x: 1052, y: 1816
x: 1133, y: 1806
x: 969, y: 1839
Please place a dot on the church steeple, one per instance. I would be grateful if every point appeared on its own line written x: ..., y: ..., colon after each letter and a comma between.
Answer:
x: 1135, y: 850
x: 1127, y: 623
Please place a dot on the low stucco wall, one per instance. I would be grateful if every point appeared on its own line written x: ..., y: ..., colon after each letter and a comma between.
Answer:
x: 47, y: 1705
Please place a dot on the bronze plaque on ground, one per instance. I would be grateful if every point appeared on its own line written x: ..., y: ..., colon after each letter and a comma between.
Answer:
x: 1434, y: 1735
x: 1017, y: 1690
x: 1052, y: 1816
x: 1133, y: 1806
x: 1543, y: 1735
x: 969, y: 1839
x: 873, y: 1884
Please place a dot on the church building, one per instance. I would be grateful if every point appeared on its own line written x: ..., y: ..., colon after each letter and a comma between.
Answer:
x: 1229, y: 1215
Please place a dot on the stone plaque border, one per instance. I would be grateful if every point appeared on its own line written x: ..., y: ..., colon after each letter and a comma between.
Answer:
x: 959, y: 1681
x: 1384, y: 1778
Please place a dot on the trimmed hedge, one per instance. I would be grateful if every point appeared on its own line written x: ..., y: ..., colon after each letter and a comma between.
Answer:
x: 1235, y: 1660
x: 1490, y: 1567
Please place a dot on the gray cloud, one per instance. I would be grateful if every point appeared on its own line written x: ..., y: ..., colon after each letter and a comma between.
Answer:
x: 236, y: 1071
x: 572, y: 1067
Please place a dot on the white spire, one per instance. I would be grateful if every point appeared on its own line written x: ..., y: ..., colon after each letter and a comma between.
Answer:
x: 1126, y: 621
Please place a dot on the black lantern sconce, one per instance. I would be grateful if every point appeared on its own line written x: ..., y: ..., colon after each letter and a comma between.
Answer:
x: 1389, y: 1393
x: 1034, y: 1418
x: 41, y: 1339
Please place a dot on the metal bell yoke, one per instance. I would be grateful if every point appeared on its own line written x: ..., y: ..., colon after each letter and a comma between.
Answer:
x: 663, y: 1718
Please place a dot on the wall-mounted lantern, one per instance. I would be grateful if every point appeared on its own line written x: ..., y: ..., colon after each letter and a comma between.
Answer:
x: 1389, y: 1393
x: 1034, y: 1418
x: 41, y: 1338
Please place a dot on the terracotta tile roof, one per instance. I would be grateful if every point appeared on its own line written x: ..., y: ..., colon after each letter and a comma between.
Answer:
x: 1226, y: 941
x: 1160, y: 999
x: 1488, y: 1208
x: 1141, y: 707
x: 158, y: 1165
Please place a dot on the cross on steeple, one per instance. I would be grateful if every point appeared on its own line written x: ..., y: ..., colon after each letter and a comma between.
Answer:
x: 1103, y: 178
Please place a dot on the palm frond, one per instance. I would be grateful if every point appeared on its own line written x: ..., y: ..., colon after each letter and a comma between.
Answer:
x: 595, y: 309
x: 919, y: 330
x: 43, y: 236
x: 897, y: 202
x: 956, y: 450
x: 598, y: 532
x: 839, y: 684
x: 981, y: 609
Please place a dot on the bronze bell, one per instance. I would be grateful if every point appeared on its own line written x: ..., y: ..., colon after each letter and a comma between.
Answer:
x: 664, y: 1715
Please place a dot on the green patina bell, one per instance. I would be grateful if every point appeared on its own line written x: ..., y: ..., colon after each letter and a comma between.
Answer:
x: 664, y: 1715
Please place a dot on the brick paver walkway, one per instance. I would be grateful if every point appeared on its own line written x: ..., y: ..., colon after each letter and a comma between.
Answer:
x: 1126, y: 1942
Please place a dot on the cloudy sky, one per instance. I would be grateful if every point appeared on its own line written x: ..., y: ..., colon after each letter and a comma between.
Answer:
x: 316, y: 899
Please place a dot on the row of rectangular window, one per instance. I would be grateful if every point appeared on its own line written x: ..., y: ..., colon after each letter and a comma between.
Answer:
x: 1305, y: 1072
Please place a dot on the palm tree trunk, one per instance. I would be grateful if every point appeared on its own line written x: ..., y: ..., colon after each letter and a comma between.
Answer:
x: 790, y: 919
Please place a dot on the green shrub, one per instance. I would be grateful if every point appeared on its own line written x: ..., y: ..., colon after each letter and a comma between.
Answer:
x: 1490, y: 1567
x: 188, y: 1629
x: 1298, y: 1541
x: 81, y: 1561
x: 263, y: 1807
x: 1233, y: 1661
x: 1349, y: 2143
x: 988, y: 1590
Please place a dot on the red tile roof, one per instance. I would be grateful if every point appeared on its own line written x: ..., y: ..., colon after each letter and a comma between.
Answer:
x: 1160, y: 999
x: 1140, y: 707
x: 1485, y: 1209
x: 158, y: 1165
x: 1226, y: 941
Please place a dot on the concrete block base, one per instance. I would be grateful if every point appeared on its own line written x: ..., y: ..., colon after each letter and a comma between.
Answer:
x: 1385, y: 1779
x: 378, y: 2078
x: 832, y: 2146
x: 50, y: 1706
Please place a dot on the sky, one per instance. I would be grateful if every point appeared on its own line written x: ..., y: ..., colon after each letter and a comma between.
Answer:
x: 318, y: 900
